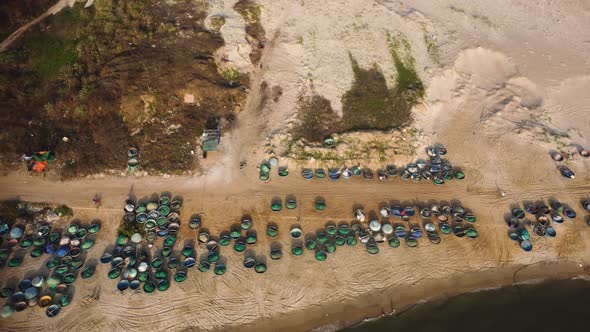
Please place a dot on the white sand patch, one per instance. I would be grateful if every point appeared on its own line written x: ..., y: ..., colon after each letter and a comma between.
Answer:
x: 568, y: 104
x: 235, y: 52
x: 487, y: 69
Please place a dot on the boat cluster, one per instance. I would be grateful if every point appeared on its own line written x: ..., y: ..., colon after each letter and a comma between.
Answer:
x: 266, y: 166
x: 432, y: 219
x: 152, y: 218
x: 291, y: 203
x: 44, y: 240
x: 143, y: 223
x: 447, y: 219
x: 52, y: 287
x: 542, y: 223
x: 242, y: 235
x: 436, y: 169
x: 561, y: 157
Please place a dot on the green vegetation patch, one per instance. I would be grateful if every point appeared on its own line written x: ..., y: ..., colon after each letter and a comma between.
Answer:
x: 370, y: 104
x: 9, y: 56
x: 431, y: 44
x: 64, y: 211
x: 9, y: 210
x: 130, y: 228
x: 13, y: 209
x: 49, y: 54
x: 89, y: 74
x: 217, y: 22
x: 408, y: 83
x: 231, y: 75
x: 249, y: 10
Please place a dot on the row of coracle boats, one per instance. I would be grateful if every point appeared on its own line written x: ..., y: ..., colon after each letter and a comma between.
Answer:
x: 436, y: 169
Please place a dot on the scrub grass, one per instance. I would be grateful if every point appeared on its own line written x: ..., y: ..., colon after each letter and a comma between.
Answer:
x: 50, y: 54
x: 370, y: 104
x: 316, y: 119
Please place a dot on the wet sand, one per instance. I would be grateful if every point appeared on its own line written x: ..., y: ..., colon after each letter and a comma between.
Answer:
x: 540, y: 306
x: 397, y: 299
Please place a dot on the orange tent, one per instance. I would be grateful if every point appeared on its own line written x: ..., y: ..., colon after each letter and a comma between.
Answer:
x: 39, y: 166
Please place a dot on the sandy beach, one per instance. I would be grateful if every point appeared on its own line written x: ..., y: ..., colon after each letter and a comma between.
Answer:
x: 506, y: 82
x: 299, y: 293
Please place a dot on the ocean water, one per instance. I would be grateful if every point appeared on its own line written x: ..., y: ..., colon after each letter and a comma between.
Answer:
x: 549, y: 306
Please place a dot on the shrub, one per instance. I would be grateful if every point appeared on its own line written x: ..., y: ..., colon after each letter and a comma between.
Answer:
x: 64, y: 211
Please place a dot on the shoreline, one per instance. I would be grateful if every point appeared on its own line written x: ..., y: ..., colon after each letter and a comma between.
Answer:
x: 487, y: 289
x: 396, y: 301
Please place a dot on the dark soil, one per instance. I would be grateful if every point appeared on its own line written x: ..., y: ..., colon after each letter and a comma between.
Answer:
x: 316, y: 119
x: 15, y: 13
x: 369, y: 104
x: 9, y: 211
x: 251, y: 12
x: 84, y: 73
